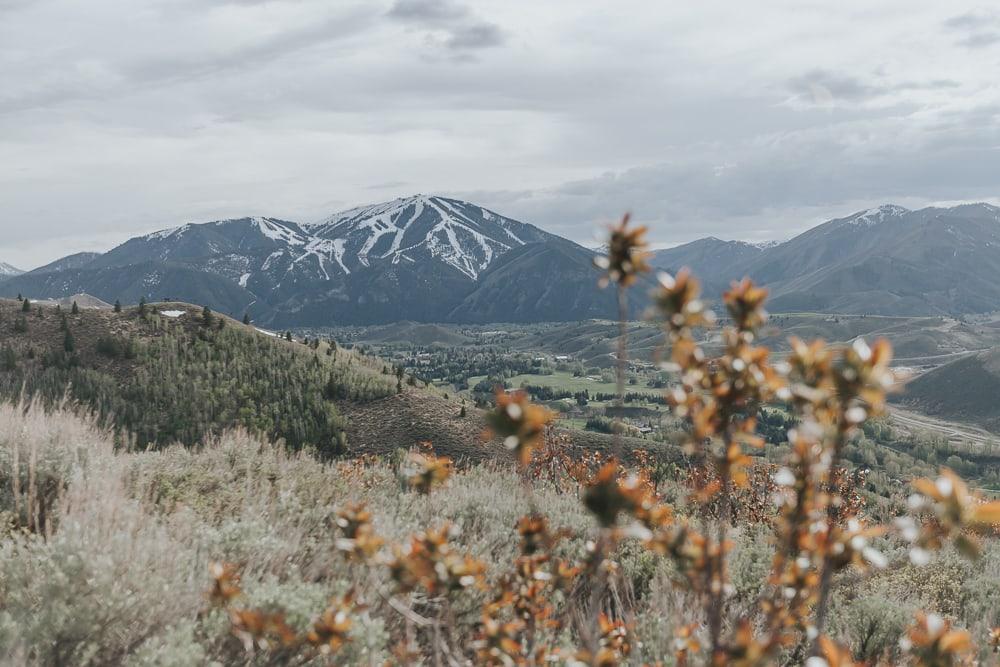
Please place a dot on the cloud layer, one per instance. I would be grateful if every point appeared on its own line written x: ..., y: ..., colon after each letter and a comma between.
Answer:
x: 750, y: 121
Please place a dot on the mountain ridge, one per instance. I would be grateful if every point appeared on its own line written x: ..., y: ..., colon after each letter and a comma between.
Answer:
x: 430, y: 258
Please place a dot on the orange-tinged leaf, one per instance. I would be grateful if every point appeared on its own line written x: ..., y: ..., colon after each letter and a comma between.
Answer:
x: 986, y: 514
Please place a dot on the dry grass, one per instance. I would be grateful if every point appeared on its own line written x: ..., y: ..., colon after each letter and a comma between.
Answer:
x: 104, y: 556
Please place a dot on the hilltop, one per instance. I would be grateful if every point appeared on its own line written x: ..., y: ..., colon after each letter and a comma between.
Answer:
x: 165, y: 374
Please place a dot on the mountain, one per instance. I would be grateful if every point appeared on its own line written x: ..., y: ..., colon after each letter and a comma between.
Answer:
x: 539, y: 282
x: 715, y: 262
x: 889, y: 260
x: 75, y: 261
x: 8, y: 270
x: 421, y: 258
x: 436, y: 259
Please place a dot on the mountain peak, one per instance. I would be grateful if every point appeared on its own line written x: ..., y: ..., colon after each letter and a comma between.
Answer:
x: 873, y: 216
x: 459, y: 234
x: 8, y: 270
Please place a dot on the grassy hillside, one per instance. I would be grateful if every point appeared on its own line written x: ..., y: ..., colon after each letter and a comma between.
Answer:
x: 962, y: 390
x: 121, y: 573
x: 171, y: 376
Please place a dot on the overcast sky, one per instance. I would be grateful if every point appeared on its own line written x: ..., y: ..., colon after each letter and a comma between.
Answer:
x: 749, y: 120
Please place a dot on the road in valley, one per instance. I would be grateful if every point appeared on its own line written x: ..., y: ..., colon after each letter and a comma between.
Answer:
x: 952, y: 431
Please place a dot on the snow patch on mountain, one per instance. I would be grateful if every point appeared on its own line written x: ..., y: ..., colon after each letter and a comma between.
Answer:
x: 874, y: 216
x: 167, y: 233
x: 8, y: 270
x: 464, y: 236
x: 278, y: 232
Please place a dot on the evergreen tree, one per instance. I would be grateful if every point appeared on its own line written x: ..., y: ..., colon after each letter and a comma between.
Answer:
x: 142, y: 305
x: 20, y: 325
x: 206, y: 316
x: 246, y: 318
x: 118, y: 306
x: 8, y: 358
x: 288, y: 336
x: 19, y: 297
x: 25, y: 306
x: 75, y: 310
x: 69, y: 344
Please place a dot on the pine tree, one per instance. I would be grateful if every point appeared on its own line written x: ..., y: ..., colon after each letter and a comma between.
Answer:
x: 19, y: 297
x: 288, y: 336
x: 20, y: 325
x: 246, y: 318
x: 142, y: 305
x: 75, y: 310
x: 8, y: 358
x: 69, y: 345
x: 25, y: 306
x: 118, y: 306
x: 206, y: 316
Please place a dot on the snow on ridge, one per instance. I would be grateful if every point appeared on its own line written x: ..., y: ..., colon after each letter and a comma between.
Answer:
x: 462, y: 235
x: 8, y: 270
x: 465, y: 236
x: 278, y: 232
x: 873, y: 216
x: 167, y: 233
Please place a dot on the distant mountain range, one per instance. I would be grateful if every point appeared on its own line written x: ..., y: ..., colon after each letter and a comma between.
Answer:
x: 436, y: 259
x: 887, y: 260
x: 421, y: 258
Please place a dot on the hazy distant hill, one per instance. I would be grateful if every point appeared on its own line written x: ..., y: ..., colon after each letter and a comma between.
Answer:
x: 75, y: 261
x: 890, y: 261
x: 887, y: 261
x: 152, y: 280
x: 540, y: 282
x: 714, y: 261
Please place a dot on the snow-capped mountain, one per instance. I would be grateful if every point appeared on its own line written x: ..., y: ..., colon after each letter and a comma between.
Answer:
x: 459, y: 234
x: 261, y: 253
x: 436, y: 259
x: 7, y: 270
x: 412, y: 258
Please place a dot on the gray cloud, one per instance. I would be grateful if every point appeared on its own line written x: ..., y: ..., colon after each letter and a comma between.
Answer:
x: 980, y: 29
x: 823, y: 87
x: 448, y: 25
x: 428, y: 12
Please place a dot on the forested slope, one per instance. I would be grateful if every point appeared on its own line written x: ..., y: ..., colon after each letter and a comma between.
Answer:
x: 167, y: 373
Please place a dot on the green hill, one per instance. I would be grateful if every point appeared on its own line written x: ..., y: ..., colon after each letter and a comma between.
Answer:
x: 166, y: 375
